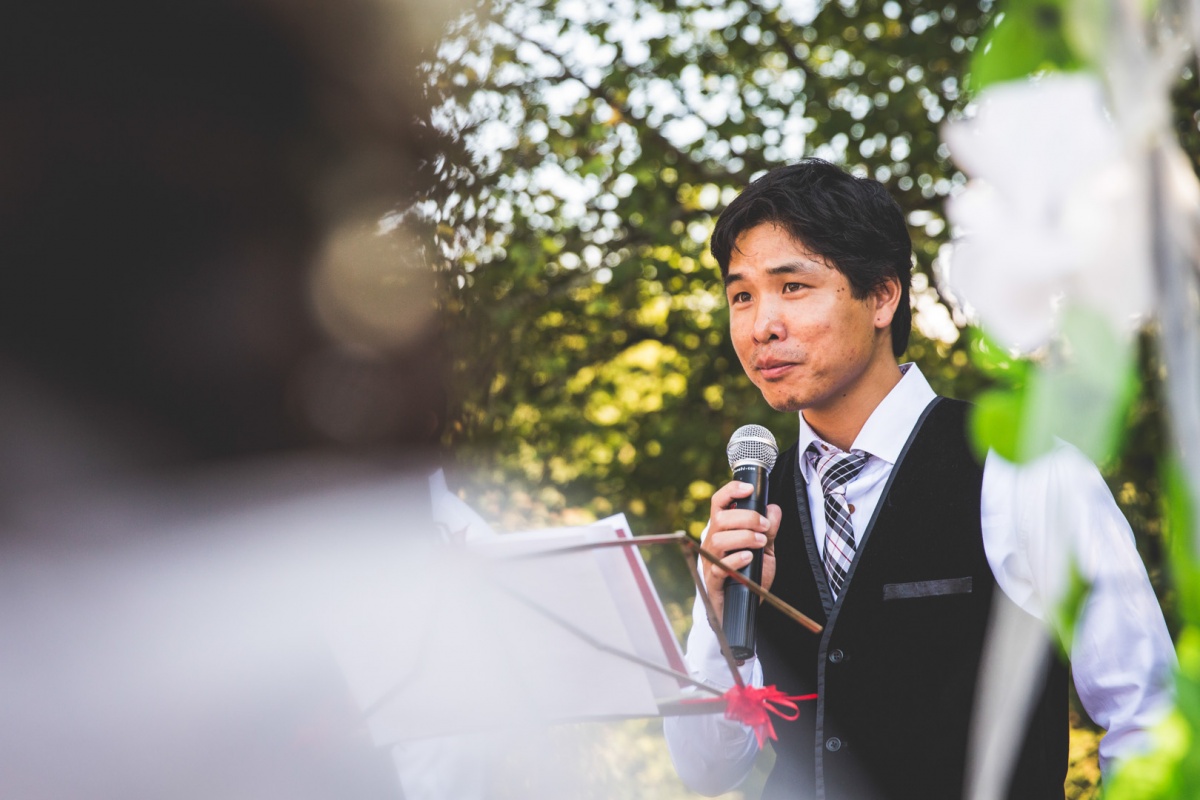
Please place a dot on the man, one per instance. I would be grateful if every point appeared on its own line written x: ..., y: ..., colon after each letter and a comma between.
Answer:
x: 884, y: 528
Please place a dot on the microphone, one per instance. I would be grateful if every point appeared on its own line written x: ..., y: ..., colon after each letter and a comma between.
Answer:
x: 752, y: 452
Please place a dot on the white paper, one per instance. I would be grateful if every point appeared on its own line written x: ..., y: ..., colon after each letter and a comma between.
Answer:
x: 462, y: 645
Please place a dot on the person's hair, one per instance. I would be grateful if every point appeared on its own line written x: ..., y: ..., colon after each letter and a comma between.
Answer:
x: 853, y: 223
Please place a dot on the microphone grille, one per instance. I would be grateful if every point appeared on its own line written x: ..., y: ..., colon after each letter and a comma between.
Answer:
x: 752, y: 443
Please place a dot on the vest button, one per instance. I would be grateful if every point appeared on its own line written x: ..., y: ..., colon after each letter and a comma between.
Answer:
x: 833, y: 744
x: 836, y: 656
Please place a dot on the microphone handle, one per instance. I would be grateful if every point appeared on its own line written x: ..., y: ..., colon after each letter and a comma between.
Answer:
x: 740, y: 617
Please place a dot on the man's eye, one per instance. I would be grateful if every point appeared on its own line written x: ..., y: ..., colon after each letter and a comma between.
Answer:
x: 791, y: 287
x: 740, y: 297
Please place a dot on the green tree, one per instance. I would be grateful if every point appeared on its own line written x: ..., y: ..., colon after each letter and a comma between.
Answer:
x: 593, y: 369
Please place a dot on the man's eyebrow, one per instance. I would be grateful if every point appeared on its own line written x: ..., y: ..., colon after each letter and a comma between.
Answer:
x: 791, y: 268
x: 794, y: 268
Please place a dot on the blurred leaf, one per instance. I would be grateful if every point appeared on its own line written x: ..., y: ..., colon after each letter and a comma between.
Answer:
x: 1172, y: 768
x: 994, y: 361
x: 1082, y: 397
x: 1155, y: 775
x: 1180, y: 520
x: 1028, y: 39
x: 1070, y: 608
x: 995, y: 423
x: 1086, y: 28
x: 1081, y: 393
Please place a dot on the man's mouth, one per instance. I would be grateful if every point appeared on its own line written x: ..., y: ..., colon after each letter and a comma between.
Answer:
x: 773, y: 370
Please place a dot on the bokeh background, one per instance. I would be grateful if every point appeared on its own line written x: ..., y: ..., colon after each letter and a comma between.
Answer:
x: 476, y: 232
x: 592, y: 370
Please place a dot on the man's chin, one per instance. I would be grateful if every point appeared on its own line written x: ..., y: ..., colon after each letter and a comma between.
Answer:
x: 789, y: 405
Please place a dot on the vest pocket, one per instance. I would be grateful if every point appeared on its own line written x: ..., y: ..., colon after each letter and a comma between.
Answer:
x: 906, y: 591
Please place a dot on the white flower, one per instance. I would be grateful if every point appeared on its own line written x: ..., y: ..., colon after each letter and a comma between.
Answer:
x: 1056, y: 210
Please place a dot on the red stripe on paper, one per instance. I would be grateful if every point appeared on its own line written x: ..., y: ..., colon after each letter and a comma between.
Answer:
x: 666, y: 636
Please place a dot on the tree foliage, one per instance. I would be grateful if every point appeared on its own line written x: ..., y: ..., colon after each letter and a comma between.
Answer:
x: 592, y: 367
x: 594, y: 370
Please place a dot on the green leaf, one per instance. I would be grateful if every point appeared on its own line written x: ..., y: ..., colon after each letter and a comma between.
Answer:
x: 1082, y: 397
x: 1087, y: 28
x: 1029, y: 38
x: 1081, y: 394
x: 1172, y: 768
x: 1179, y: 516
x: 994, y: 361
x: 1156, y: 775
x: 995, y: 423
x: 1070, y: 608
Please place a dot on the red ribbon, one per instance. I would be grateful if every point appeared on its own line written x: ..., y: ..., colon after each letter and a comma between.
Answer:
x: 753, y: 706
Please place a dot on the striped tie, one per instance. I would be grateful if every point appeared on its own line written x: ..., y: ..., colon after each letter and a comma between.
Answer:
x: 835, y: 469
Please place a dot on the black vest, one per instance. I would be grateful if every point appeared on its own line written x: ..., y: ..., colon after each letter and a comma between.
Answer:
x: 897, y: 664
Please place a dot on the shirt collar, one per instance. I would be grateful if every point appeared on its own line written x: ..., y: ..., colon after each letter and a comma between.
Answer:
x: 890, y: 424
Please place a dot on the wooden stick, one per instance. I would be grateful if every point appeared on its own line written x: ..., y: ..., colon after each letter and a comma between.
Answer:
x: 691, y: 545
x: 713, y: 622
x: 599, y: 645
x: 662, y: 538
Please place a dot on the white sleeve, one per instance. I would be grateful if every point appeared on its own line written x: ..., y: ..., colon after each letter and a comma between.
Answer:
x: 711, y: 754
x: 1040, y: 518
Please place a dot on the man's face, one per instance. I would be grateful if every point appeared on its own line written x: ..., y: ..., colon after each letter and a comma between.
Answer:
x: 802, y: 337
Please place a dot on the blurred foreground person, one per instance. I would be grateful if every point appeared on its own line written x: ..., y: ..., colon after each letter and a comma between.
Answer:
x: 888, y: 531
x: 220, y: 388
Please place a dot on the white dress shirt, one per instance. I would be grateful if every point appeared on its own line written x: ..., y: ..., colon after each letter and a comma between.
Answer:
x: 1037, y: 519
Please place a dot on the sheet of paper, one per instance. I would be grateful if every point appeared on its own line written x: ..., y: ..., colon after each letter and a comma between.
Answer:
x: 640, y: 607
x: 468, y: 640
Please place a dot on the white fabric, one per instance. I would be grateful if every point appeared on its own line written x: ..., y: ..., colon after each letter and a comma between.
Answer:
x: 448, y: 766
x: 1036, y: 520
x: 456, y: 521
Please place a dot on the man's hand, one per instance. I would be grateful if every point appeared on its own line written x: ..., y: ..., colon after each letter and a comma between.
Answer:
x: 737, y: 529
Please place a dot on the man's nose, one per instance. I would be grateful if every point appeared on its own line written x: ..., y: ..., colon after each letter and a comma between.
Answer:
x: 768, y: 323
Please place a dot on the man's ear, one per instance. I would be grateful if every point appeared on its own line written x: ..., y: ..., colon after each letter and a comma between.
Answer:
x: 885, y: 298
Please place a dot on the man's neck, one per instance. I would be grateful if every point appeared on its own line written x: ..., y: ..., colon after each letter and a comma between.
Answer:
x: 840, y: 422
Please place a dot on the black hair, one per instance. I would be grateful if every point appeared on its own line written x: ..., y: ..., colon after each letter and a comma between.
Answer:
x: 853, y: 223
